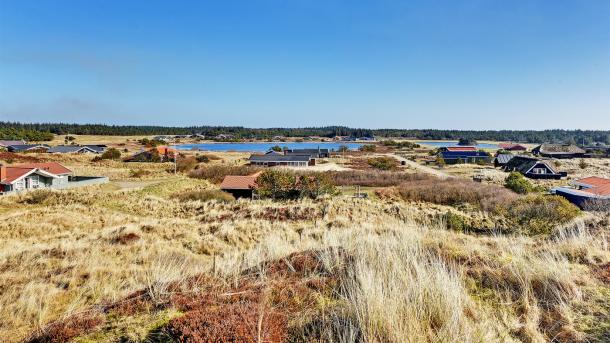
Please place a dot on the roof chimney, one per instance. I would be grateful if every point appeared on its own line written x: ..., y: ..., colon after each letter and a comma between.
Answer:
x: 2, y: 172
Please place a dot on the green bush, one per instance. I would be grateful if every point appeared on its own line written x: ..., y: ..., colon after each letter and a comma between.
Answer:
x: 455, y: 222
x: 111, y: 154
x: 205, y: 195
x: 540, y: 214
x: 279, y: 184
x: 383, y: 163
x: 517, y: 183
x: 368, y: 148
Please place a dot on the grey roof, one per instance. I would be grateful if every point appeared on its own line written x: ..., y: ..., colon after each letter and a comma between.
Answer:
x: 558, y: 149
x: 25, y: 147
x: 6, y: 143
x: 306, y: 151
x: 97, y: 148
x: 280, y: 158
x: 504, y: 158
x: 70, y: 149
x: 523, y: 164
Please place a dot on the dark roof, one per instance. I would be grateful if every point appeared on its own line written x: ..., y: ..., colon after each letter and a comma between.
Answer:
x: 73, y: 148
x: 96, y: 147
x: 306, y: 151
x: 524, y: 164
x: 462, y: 154
x: 504, y: 158
x: 24, y: 147
x: 558, y: 149
x: 280, y: 158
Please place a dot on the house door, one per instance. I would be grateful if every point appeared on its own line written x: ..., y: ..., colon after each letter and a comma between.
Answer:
x: 28, y: 183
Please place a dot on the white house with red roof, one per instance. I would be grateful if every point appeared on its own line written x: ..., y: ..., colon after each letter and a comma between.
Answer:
x: 30, y: 176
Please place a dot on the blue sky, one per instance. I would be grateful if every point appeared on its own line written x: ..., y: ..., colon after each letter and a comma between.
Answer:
x: 381, y: 64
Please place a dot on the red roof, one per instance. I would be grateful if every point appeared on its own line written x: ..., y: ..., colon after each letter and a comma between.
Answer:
x: 511, y: 146
x: 13, y: 173
x: 240, y: 182
x: 598, y: 185
x: 461, y: 148
x: 50, y: 167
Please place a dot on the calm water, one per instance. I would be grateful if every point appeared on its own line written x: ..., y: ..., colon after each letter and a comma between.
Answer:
x: 455, y: 143
x: 263, y: 147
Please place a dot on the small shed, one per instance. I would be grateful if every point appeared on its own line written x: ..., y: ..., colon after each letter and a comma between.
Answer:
x: 240, y: 186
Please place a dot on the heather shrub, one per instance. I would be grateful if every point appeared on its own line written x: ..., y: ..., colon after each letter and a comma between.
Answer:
x: 540, y: 214
x: 205, y: 195
x: 229, y: 323
x: 186, y: 164
x: 383, y: 163
x: 455, y: 192
x: 216, y: 173
x: 368, y: 148
x: 372, y: 178
x: 138, y: 173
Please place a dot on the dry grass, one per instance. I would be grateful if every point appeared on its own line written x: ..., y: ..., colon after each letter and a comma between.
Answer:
x: 397, y: 272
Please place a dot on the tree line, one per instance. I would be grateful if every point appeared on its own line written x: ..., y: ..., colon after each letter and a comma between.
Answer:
x: 45, y: 131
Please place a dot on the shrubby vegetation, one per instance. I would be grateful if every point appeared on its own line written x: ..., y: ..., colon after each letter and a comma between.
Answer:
x: 205, y: 195
x: 400, y: 144
x: 517, y: 183
x: 280, y: 184
x: 368, y: 148
x: 216, y: 173
x: 540, y: 214
x: 110, y: 154
x: 383, y: 163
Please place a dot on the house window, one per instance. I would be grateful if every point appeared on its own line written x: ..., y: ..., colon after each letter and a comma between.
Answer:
x: 34, y: 183
x: 19, y: 185
x: 539, y: 171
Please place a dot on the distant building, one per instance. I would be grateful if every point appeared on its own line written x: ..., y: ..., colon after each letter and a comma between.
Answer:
x: 502, y: 159
x: 76, y: 149
x: 156, y: 154
x: 512, y: 147
x: 240, y: 186
x: 315, y: 153
x: 457, y: 148
x: 28, y: 148
x: 533, y: 168
x: 558, y: 151
x: 587, y: 192
x: 454, y: 155
x: 29, y: 176
x: 271, y: 160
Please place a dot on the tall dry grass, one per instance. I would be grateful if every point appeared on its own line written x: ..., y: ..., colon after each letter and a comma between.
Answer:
x: 73, y: 250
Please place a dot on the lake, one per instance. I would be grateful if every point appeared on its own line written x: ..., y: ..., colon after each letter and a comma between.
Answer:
x: 442, y: 144
x: 264, y: 146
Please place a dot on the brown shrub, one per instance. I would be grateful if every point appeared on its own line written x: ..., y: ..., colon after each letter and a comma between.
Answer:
x: 64, y: 330
x: 374, y: 178
x: 138, y: 173
x: 205, y: 195
x: 230, y: 323
x: 10, y: 156
x: 288, y: 213
x: 457, y: 191
x: 126, y: 238
x: 186, y: 164
x: 216, y: 173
